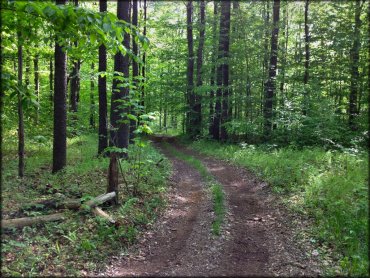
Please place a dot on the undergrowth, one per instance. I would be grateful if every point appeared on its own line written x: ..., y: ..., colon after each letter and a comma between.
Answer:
x: 216, y: 188
x: 82, y: 242
x: 329, y: 186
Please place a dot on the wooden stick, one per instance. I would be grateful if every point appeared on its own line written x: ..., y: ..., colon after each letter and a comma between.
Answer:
x: 99, y: 212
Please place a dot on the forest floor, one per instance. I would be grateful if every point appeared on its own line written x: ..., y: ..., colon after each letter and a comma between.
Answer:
x: 259, y: 236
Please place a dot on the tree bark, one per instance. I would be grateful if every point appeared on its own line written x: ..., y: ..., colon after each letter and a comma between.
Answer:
x: 355, y: 56
x: 197, y: 127
x: 119, y: 108
x: 20, y: 110
x: 102, y: 87
x: 190, y: 67
x: 270, y: 83
x: 60, y: 111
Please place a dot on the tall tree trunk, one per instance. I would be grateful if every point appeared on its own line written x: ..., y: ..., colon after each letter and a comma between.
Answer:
x: 37, y: 84
x: 143, y: 64
x: 51, y: 77
x: 190, y: 67
x: 307, y: 59
x: 119, y: 108
x: 20, y: 111
x: 270, y: 83
x: 102, y: 87
x: 212, y: 130
x: 353, y: 96
x: 74, y: 80
x: 135, y: 70
x: 60, y: 111
x: 284, y: 56
x: 199, y: 82
x: 266, y: 15
x: 224, y: 57
x: 92, y: 101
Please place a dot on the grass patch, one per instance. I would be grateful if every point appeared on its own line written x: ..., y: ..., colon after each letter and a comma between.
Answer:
x: 83, y: 242
x: 216, y: 188
x: 329, y: 186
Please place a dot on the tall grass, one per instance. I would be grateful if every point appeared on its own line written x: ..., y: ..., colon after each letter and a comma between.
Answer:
x: 330, y: 186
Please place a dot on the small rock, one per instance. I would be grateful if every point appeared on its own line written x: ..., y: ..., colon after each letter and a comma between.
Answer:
x: 315, y: 253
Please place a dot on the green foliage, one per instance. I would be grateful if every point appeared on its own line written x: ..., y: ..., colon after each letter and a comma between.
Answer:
x: 329, y: 186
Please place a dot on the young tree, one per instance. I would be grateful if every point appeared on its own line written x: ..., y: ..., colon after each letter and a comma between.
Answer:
x: 75, y: 79
x: 92, y: 101
x: 102, y: 87
x: 60, y: 111
x: 270, y: 83
x: 197, y: 122
x: 211, y: 130
x: 135, y: 68
x: 307, y: 58
x: 20, y: 110
x: 144, y: 59
x: 119, y: 108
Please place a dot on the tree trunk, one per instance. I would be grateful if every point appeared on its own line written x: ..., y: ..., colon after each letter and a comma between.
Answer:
x: 102, y: 87
x: 74, y: 81
x: 113, y: 177
x: 199, y: 82
x: 307, y: 59
x: 92, y: 101
x: 60, y: 111
x: 270, y: 83
x: 27, y: 221
x: 284, y: 58
x: 119, y: 109
x: 51, y: 78
x: 266, y: 16
x: 143, y: 64
x: 135, y: 71
x: 353, y: 96
x: 224, y: 67
x: 212, y: 130
x: 20, y: 110
x: 190, y: 67
x: 37, y: 84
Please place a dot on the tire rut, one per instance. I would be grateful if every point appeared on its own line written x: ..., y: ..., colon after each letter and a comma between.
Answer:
x: 256, y: 239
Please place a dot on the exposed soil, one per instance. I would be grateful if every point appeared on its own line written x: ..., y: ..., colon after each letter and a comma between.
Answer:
x: 258, y: 234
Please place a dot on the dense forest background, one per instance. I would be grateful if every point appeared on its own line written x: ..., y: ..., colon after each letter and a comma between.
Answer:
x: 263, y: 76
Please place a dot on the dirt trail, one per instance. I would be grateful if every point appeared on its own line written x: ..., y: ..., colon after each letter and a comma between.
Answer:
x: 257, y: 236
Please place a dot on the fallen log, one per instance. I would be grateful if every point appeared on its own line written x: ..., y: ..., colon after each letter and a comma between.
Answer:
x: 100, y: 199
x: 99, y: 212
x: 74, y: 204
x: 27, y: 221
